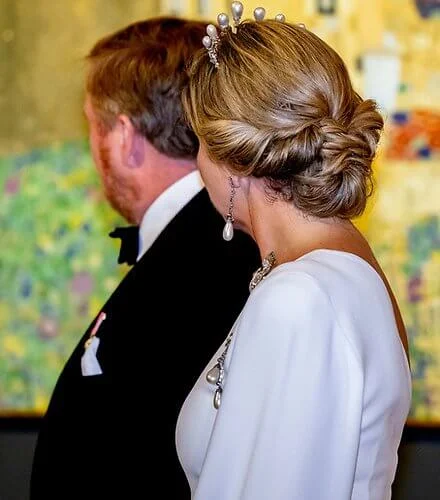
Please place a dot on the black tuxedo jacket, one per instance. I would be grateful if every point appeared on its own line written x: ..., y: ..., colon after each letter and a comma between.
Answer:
x: 113, y: 435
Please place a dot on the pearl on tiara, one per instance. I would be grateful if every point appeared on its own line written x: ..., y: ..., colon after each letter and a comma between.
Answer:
x: 212, y: 31
x: 259, y: 13
x: 237, y: 12
x: 207, y: 42
x: 223, y: 21
x: 281, y: 18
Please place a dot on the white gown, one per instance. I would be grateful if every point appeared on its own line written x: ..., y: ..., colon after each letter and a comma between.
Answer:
x: 317, y: 389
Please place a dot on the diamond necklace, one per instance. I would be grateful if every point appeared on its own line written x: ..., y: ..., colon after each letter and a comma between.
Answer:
x: 216, y: 374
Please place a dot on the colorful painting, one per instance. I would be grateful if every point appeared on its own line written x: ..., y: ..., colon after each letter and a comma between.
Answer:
x: 404, y: 229
x: 428, y: 8
x: 414, y: 135
x: 56, y: 267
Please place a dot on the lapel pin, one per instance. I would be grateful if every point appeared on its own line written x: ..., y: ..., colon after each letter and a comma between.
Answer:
x: 102, y: 316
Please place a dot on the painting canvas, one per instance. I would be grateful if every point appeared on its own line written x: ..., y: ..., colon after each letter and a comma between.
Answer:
x: 56, y: 267
x: 404, y: 229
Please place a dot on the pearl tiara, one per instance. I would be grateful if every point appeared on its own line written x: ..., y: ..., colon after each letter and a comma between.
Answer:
x: 212, y: 39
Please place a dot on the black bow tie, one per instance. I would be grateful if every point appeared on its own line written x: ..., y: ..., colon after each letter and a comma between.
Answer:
x: 129, y: 237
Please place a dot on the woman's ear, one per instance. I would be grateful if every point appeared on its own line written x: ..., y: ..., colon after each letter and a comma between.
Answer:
x: 241, y: 182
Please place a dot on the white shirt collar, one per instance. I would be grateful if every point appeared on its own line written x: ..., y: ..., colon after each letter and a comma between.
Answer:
x: 166, y: 207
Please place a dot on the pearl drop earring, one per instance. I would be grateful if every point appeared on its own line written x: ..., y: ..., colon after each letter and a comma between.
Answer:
x: 228, y: 230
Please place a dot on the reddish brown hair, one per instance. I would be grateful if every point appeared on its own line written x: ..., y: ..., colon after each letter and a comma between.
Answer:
x: 139, y: 71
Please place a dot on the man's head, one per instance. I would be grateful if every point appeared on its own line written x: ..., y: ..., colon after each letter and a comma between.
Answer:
x: 140, y: 141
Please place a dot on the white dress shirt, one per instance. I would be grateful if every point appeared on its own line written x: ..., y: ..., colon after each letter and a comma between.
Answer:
x: 166, y: 207
x: 317, y: 389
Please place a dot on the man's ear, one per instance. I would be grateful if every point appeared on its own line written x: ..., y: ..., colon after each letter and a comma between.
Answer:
x: 130, y: 142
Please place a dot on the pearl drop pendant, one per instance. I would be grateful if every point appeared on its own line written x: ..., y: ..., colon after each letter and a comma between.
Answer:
x: 217, y: 398
x: 228, y: 231
x: 213, y: 374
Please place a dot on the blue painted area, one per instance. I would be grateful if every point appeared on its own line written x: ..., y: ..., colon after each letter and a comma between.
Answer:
x: 400, y: 118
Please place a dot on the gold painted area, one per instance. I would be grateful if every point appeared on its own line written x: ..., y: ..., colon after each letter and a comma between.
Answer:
x: 42, y: 49
x: 43, y: 44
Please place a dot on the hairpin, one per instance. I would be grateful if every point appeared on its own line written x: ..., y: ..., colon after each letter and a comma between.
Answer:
x: 210, y: 42
x: 212, y: 39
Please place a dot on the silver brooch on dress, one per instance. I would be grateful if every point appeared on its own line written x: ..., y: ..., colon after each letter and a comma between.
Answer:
x: 216, y: 374
x: 263, y: 271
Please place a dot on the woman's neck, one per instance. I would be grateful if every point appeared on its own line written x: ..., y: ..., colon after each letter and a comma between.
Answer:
x: 278, y: 227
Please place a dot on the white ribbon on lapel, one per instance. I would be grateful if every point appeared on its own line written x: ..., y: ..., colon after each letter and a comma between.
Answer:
x: 89, y: 362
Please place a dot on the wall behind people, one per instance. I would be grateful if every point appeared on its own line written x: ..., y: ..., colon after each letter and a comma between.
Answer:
x: 56, y: 265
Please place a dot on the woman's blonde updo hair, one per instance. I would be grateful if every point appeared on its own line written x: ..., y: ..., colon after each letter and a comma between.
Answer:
x: 281, y: 106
